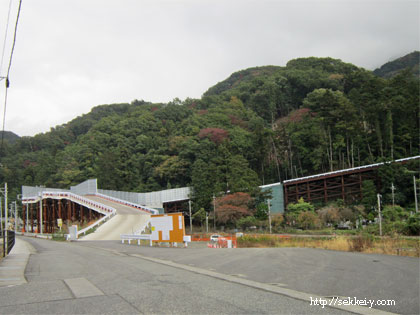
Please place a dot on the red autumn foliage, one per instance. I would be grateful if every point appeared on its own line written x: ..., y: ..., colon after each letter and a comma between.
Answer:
x: 216, y: 135
x: 297, y: 115
x: 237, y: 121
x: 28, y: 163
x: 232, y: 207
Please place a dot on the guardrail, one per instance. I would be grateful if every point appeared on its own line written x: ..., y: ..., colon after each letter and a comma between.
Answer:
x: 10, y: 241
x: 137, y: 237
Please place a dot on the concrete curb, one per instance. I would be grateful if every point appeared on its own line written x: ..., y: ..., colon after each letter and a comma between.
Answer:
x: 12, y: 267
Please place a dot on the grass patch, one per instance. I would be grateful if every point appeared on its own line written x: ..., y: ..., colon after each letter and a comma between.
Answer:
x: 60, y: 236
x: 360, y: 243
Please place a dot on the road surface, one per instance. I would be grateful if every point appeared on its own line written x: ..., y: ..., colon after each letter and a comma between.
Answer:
x: 73, y: 278
x: 128, y: 220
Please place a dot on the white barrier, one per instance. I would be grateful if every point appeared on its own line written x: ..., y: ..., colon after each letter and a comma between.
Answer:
x: 139, y: 237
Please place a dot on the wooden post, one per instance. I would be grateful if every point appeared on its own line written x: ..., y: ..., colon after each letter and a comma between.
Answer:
x: 32, y: 218
x: 44, y: 216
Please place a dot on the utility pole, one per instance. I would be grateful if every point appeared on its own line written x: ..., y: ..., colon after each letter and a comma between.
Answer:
x: 189, y: 205
x: 269, y: 214
x: 393, y: 195
x: 7, y: 219
x: 40, y: 214
x: 380, y: 215
x: 2, y: 228
x: 1, y: 218
x: 15, y: 216
x: 415, y: 194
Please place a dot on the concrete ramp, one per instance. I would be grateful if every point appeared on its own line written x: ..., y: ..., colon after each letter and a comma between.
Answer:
x: 128, y: 220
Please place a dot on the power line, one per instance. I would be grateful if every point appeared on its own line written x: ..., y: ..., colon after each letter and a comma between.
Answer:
x: 5, y: 35
x: 7, y: 78
x: 14, y: 41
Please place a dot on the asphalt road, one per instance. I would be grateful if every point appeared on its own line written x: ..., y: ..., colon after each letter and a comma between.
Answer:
x: 109, y: 278
x: 314, y: 271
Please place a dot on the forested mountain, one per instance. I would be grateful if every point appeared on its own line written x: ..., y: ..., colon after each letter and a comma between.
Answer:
x: 259, y: 126
x: 9, y: 136
x: 410, y: 62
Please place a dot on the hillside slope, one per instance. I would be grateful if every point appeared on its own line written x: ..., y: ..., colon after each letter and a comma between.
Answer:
x: 410, y: 62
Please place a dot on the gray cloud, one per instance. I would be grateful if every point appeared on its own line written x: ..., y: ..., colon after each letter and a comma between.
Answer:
x: 73, y: 55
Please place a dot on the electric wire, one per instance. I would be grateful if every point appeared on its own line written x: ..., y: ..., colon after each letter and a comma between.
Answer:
x: 5, y: 36
x: 7, y: 78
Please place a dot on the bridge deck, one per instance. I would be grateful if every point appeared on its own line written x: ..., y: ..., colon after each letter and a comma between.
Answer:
x: 128, y: 220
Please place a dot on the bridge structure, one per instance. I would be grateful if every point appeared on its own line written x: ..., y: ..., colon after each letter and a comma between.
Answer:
x: 128, y: 212
x: 46, y: 209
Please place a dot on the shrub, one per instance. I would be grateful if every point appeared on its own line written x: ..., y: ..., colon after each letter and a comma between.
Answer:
x: 308, y: 220
x: 394, y: 213
x: 277, y: 221
x: 246, y: 222
x: 300, y: 206
x: 329, y: 215
x: 413, y: 225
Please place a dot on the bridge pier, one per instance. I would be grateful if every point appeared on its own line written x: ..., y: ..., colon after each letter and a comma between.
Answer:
x: 53, y: 209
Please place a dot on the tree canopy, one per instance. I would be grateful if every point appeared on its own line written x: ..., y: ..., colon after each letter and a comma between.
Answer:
x: 259, y: 126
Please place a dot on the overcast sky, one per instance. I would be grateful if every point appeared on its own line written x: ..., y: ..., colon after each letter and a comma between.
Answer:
x: 72, y: 55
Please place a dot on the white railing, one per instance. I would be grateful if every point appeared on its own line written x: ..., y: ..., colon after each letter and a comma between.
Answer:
x: 128, y: 203
x: 107, y: 211
x: 137, y: 237
x: 96, y: 206
x: 143, y: 228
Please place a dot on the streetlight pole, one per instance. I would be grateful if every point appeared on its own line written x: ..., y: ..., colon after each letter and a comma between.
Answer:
x: 380, y: 215
x: 207, y: 222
